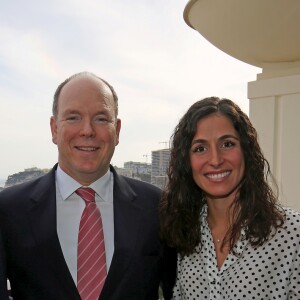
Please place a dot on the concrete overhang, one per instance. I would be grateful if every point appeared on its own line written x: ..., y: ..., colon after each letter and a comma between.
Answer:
x: 258, y: 32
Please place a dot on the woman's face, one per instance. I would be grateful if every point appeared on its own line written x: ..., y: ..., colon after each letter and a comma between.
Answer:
x: 216, y: 157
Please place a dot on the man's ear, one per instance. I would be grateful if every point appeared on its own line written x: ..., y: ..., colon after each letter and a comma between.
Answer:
x: 53, y: 126
x: 118, y: 128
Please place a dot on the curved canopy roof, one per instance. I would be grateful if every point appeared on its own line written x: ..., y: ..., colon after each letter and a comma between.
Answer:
x: 254, y: 31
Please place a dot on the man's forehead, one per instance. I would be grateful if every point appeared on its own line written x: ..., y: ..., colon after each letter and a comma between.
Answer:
x: 85, y: 82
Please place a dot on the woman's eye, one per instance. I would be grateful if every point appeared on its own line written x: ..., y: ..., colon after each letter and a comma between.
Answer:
x: 199, y: 149
x: 228, y: 144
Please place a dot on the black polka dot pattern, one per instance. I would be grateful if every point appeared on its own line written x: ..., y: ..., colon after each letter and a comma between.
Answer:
x: 271, y: 271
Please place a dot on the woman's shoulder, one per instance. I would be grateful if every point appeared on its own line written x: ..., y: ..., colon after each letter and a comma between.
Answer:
x: 291, y: 225
x: 286, y: 238
x: 292, y: 217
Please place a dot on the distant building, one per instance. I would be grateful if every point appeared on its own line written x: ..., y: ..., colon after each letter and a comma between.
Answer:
x: 124, y: 172
x: 137, y: 170
x: 24, y: 176
x: 160, y: 163
x: 138, y: 167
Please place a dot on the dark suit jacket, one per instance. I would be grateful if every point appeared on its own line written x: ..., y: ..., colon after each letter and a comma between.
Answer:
x: 36, y: 266
x: 3, y: 281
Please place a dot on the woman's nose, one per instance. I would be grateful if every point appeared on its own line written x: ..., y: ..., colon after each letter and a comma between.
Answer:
x: 216, y: 158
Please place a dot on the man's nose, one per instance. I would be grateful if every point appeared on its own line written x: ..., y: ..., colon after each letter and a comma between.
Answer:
x: 87, y: 128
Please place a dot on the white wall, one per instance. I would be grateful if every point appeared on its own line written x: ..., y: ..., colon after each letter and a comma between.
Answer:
x: 275, y: 113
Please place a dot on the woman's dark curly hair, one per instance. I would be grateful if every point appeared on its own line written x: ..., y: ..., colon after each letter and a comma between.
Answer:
x: 255, y: 209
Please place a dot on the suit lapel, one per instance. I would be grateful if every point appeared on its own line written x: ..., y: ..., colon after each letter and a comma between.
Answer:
x: 127, y: 219
x: 42, y: 215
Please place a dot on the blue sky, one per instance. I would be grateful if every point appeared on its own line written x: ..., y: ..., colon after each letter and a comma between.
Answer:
x: 158, y: 65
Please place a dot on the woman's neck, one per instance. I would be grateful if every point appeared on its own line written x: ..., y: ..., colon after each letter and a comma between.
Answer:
x: 219, y: 213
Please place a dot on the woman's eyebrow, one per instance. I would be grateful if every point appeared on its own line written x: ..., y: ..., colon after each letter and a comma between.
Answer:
x: 223, y: 137
x: 228, y: 136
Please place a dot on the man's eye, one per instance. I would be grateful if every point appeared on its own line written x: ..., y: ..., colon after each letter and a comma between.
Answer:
x: 101, y: 120
x: 73, y: 118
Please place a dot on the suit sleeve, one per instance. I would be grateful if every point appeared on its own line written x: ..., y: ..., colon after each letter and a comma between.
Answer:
x: 169, y: 262
x: 3, y: 278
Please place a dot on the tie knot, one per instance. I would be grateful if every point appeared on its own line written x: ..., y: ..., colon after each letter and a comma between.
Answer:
x: 87, y: 194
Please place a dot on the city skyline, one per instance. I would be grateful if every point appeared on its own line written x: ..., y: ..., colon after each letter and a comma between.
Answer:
x: 159, y: 160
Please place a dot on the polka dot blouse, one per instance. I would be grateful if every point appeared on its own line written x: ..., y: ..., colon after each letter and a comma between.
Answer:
x: 267, y: 272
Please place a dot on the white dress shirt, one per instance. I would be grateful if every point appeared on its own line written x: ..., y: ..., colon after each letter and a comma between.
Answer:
x: 69, y: 208
x: 270, y: 271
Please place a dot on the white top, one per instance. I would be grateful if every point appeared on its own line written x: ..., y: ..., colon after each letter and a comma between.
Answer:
x: 271, y: 271
x: 69, y: 208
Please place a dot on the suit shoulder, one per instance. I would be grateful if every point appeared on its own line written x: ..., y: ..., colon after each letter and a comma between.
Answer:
x: 20, y: 187
x: 20, y: 191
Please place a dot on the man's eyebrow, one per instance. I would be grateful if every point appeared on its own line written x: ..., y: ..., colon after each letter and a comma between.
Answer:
x: 71, y: 111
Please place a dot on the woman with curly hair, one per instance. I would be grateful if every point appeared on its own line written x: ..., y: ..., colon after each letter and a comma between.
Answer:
x: 234, y: 240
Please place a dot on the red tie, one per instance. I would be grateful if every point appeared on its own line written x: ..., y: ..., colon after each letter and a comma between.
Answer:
x: 91, y: 260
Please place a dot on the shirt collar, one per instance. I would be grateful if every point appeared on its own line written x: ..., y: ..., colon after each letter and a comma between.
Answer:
x: 203, y: 215
x: 68, y: 185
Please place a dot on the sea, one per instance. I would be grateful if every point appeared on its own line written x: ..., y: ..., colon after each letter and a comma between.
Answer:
x: 2, y: 182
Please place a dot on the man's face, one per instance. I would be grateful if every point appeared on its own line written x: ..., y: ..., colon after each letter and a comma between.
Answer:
x: 85, y: 130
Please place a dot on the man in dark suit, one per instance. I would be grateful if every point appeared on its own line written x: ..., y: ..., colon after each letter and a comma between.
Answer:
x: 40, y: 220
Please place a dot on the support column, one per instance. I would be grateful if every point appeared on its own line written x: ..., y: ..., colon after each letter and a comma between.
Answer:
x: 275, y: 113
